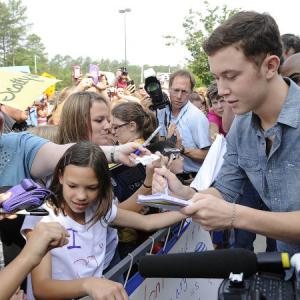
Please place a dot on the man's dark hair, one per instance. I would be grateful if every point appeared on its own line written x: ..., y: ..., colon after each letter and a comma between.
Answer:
x: 183, y: 73
x: 256, y: 34
x: 289, y: 41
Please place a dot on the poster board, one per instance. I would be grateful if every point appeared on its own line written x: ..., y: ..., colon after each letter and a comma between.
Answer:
x: 193, y: 239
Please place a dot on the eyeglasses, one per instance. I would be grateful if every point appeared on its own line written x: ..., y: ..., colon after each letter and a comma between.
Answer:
x: 115, y: 127
x: 295, y: 77
x: 177, y: 91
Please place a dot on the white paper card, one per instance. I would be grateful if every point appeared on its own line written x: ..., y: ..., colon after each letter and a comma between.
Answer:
x: 147, y: 159
x: 163, y: 201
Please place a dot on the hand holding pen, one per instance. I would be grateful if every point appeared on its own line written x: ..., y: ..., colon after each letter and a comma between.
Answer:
x: 149, y: 139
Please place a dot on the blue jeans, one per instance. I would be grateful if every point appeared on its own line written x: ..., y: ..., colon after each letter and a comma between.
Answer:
x: 243, y: 238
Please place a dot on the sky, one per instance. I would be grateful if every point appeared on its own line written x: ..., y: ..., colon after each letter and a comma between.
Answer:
x: 95, y: 28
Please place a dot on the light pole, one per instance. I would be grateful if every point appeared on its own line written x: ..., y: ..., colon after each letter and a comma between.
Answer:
x: 124, y: 11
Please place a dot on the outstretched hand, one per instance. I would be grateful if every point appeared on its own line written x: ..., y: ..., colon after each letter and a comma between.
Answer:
x: 211, y: 212
x: 125, y: 153
x: 163, y: 178
x: 43, y: 238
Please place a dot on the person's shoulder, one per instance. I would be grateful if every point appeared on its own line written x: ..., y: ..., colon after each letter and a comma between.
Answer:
x: 242, y: 123
x: 212, y: 115
x: 195, y: 112
x: 12, y: 136
x: 22, y: 140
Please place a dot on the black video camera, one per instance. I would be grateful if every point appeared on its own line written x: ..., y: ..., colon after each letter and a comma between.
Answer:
x: 153, y: 88
x: 257, y: 287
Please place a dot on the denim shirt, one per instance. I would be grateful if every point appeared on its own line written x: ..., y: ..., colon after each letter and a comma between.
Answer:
x: 276, y: 176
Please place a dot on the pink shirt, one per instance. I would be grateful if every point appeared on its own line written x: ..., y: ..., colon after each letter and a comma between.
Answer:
x: 214, y: 118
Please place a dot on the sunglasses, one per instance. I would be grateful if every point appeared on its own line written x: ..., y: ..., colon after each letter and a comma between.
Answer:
x: 295, y: 77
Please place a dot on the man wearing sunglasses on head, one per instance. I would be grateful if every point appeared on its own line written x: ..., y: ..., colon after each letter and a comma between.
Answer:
x: 187, y: 120
x: 291, y: 68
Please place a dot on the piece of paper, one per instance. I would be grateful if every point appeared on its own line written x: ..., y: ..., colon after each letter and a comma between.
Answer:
x: 147, y: 159
x: 163, y: 201
x: 20, y: 90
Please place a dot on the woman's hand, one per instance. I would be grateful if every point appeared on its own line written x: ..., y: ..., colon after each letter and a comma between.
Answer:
x: 43, y: 238
x: 103, y: 289
x: 171, y: 130
x: 162, y: 161
x: 3, y: 197
x: 130, y: 89
x: 125, y: 153
x: 164, y: 178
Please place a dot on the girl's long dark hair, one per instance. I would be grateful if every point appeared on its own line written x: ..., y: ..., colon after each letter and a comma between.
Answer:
x: 85, y: 154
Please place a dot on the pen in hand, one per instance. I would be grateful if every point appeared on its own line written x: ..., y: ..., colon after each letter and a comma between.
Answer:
x: 148, y: 140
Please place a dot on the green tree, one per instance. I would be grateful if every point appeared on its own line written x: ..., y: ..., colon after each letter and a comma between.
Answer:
x: 4, y: 23
x: 32, y: 51
x: 198, y: 25
x: 13, y: 30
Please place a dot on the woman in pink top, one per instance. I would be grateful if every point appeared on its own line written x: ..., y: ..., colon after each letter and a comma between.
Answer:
x: 215, y: 113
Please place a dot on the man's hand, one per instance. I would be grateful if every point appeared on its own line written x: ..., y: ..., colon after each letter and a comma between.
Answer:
x: 210, y: 211
x: 125, y: 153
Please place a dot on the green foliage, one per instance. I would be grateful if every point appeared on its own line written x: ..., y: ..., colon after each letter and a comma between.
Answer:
x: 13, y: 28
x: 198, y: 26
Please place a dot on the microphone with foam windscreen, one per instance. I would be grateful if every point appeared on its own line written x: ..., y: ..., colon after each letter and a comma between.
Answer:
x: 210, y: 264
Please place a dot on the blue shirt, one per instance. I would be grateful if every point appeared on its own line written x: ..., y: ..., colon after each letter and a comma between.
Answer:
x: 276, y: 176
x: 193, y: 127
x: 17, y: 152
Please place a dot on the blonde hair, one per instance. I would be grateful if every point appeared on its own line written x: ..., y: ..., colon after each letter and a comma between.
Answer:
x: 75, y: 122
x: 59, y: 102
x: 48, y: 132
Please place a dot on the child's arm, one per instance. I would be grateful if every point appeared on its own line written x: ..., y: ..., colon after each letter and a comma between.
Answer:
x: 127, y: 218
x: 46, y: 288
x: 43, y: 237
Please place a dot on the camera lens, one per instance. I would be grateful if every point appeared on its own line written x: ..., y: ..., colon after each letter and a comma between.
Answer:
x: 153, y: 86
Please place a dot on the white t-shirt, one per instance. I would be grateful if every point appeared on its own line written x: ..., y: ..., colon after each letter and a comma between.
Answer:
x: 84, y: 255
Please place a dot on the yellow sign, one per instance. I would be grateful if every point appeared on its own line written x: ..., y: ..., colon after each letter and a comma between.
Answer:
x: 51, y: 89
x: 20, y: 90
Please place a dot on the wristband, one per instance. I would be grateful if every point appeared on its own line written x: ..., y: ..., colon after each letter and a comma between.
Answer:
x: 147, y: 186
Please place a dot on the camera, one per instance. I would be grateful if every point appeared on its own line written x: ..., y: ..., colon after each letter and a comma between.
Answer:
x: 260, y: 286
x: 76, y: 72
x: 94, y: 71
x: 153, y: 88
x: 124, y: 71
